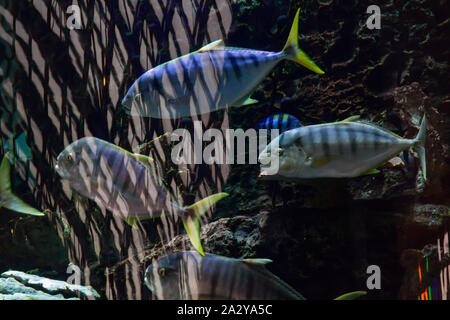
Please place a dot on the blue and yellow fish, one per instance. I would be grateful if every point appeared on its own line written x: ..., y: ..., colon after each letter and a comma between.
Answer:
x: 281, y: 121
x: 212, y: 78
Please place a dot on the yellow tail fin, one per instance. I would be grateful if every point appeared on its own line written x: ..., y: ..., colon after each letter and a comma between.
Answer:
x: 294, y: 53
x: 191, y: 222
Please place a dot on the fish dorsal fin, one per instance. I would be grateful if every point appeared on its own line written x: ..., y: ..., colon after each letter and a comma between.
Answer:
x: 351, y: 119
x: 321, y: 161
x: 215, y: 45
x: 256, y: 261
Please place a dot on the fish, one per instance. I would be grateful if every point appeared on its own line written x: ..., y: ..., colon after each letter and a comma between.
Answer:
x: 124, y: 183
x: 186, y: 275
x: 9, y: 200
x: 209, y: 79
x: 281, y: 121
x: 343, y: 149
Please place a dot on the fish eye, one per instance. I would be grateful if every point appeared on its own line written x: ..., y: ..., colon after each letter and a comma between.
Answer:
x: 162, y: 272
x: 69, y: 157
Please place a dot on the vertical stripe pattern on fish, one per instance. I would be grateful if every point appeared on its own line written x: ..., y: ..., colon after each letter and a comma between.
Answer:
x: 212, y: 78
x: 123, y: 183
x: 189, y: 276
x: 339, y: 149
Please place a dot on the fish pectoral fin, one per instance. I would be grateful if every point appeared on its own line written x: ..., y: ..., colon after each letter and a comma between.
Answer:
x: 246, y: 102
x: 215, y: 45
x: 257, y: 261
x: 132, y: 222
x: 370, y: 171
x: 351, y: 295
x: 321, y: 161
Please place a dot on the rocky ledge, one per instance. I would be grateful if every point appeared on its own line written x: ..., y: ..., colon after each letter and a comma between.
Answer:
x: 17, y: 285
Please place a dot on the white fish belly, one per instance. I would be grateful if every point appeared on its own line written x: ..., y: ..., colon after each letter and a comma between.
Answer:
x: 349, y: 166
x: 343, y: 150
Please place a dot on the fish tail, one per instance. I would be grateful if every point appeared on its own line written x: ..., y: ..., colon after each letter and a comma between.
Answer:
x: 294, y: 53
x: 7, y: 198
x: 191, y: 218
x: 419, y: 146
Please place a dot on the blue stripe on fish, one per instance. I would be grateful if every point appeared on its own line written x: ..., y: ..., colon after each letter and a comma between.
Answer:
x: 280, y: 121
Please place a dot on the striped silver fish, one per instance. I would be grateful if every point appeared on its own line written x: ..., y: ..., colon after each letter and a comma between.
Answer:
x: 189, y: 276
x: 213, y: 78
x: 337, y: 150
x: 123, y: 183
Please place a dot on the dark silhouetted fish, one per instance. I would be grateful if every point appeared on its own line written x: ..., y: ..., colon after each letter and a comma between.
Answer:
x: 190, y: 276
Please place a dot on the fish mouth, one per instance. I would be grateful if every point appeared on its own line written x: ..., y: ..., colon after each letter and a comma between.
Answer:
x: 62, y: 173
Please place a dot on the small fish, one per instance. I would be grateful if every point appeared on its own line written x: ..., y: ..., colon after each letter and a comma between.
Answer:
x: 123, y: 183
x: 212, y: 78
x: 335, y: 150
x: 7, y: 199
x: 281, y: 121
x: 189, y: 276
